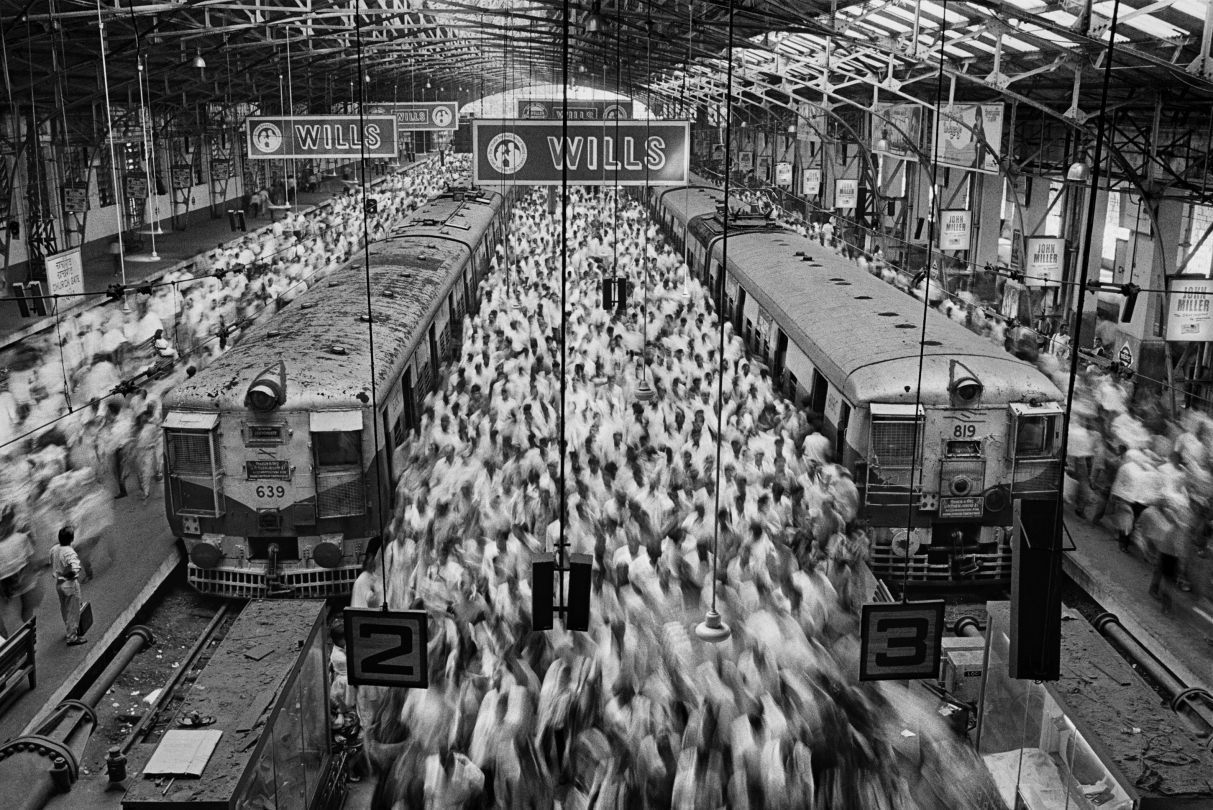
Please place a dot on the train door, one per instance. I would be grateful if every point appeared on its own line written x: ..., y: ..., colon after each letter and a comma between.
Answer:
x: 740, y: 318
x: 408, y: 416
x: 781, y: 353
x: 467, y: 292
x: 454, y: 324
x: 840, y: 434
x: 435, y: 360
x: 821, y: 387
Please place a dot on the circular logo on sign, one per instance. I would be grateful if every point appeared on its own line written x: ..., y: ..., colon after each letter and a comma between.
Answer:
x: 534, y: 111
x: 507, y: 153
x: 267, y: 137
x: 442, y: 116
x: 613, y: 112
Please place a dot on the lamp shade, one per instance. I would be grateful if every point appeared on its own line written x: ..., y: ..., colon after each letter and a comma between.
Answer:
x: 1079, y: 172
x: 594, y: 21
x: 198, y: 62
x: 712, y: 629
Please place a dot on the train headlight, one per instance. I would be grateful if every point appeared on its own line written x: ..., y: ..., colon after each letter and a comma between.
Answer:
x: 327, y: 554
x: 268, y: 389
x: 962, y: 485
x: 206, y: 554
x: 967, y: 389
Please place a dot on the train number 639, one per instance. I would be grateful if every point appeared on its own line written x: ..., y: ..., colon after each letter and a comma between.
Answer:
x: 271, y: 491
x: 964, y: 431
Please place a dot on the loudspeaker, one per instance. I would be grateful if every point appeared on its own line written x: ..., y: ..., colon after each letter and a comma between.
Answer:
x: 577, y: 616
x: 1035, y: 652
x: 543, y: 591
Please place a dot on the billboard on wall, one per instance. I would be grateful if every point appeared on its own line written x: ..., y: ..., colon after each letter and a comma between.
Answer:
x: 420, y: 116
x: 1046, y: 261
x: 65, y: 273
x: 955, y: 228
x: 633, y: 153
x: 537, y: 110
x: 846, y: 193
x: 1190, y: 309
x: 970, y: 136
x: 274, y: 137
x: 900, y: 126
x: 810, y: 182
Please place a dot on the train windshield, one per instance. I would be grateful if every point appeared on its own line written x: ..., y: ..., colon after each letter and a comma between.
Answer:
x: 337, y: 449
x: 1035, y: 436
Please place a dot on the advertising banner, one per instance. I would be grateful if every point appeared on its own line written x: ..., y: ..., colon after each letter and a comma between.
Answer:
x: 1045, y: 261
x: 420, y: 116
x: 970, y: 136
x: 1190, y: 309
x: 810, y: 182
x: 75, y: 198
x: 181, y: 176
x: 536, y: 110
x: 634, y: 153
x: 65, y: 273
x: 900, y: 125
x: 954, y: 229
x: 348, y: 137
x: 135, y: 185
x: 783, y: 174
x: 745, y: 160
x: 846, y: 193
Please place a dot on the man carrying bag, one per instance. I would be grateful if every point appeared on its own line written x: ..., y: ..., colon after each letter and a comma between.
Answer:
x: 66, y: 567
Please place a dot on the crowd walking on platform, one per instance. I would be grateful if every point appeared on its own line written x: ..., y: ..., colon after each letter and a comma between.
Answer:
x: 73, y: 437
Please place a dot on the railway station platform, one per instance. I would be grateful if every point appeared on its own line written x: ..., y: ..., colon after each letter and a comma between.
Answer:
x: 137, y: 555
x: 1119, y: 583
x: 175, y: 249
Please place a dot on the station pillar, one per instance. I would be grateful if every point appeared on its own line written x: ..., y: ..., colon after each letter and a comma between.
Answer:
x: 1086, y: 338
x: 1139, y: 343
x: 987, y: 220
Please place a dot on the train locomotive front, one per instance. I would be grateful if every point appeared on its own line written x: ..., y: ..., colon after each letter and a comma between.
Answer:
x: 281, y: 456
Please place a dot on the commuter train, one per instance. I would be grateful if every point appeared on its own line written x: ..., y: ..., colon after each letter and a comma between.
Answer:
x: 986, y: 426
x: 279, y: 455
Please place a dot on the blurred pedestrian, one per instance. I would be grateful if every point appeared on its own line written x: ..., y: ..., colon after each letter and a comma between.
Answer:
x: 66, y: 568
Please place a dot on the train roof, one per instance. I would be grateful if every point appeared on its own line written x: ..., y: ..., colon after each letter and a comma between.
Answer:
x: 688, y: 202
x: 411, y: 272
x: 858, y: 329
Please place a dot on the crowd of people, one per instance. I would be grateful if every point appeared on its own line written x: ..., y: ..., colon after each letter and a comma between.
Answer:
x: 679, y: 510
x: 69, y: 444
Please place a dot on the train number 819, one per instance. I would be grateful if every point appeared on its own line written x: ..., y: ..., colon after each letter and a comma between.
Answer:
x: 271, y: 491
x: 964, y: 431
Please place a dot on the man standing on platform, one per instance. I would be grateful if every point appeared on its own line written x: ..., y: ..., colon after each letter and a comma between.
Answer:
x: 65, y: 565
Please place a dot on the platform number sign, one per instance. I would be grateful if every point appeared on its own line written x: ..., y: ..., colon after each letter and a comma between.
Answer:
x: 387, y: 648
x: 901, y: 640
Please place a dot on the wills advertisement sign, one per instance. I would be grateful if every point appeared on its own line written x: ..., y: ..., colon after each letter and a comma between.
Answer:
x: 534, y: 110
x: 273, y: 137
x: 421, y: 116
x: 538, y: 153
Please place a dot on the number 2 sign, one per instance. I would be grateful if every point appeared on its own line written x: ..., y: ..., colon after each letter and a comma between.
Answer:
x: 901, y: 640
x: 387, y: 648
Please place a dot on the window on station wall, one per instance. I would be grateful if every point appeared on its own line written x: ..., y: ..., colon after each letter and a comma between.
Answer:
x: 1199, y: 219
x: 1053, y: 220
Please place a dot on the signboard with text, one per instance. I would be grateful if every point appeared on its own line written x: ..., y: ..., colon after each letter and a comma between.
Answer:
x: 538, y: 110
x: 811, y: 182
x: 1190, y: 309
x: 75, y: 198
x: 274, y: 137
x: 899, y: 126
x: 633, y: 153
x: 387, y: 648
x: 846, y: 193
x: 955, y: 229
x: 783, y: 174
x: 900, y: 640
x: 65, y: 273
x: 135, y: 185
x: 419, y: 116
x: 970, y: 136
x: 182, y: 176
x: 1045, y: 261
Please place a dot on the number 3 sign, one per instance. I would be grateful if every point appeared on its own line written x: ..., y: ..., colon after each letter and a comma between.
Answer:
x: 901, y: 640
x: 387, y: 648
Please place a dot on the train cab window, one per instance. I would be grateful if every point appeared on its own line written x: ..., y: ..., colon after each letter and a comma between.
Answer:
x: 338, y: 449
x: 963, y: 449
x: 192, y: 449
x: 1034, y: 437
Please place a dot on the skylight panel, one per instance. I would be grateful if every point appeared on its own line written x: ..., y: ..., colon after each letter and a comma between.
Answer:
x: 923, y: 21
x: 949, y: 16
x: 1193, y: 8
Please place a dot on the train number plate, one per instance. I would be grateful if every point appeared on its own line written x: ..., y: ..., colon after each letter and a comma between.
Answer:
x: 961, y: 507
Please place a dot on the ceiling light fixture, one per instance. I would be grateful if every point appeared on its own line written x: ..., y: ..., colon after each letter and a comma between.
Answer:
x: 1079, y: 172
x: 199, y: 62
x: 594, y: 21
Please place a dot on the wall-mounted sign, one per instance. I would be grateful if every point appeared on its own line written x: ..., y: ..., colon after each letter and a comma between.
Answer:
x: 1125, y: 356
x: 764, y: 168
x: 955, y: 229
x: 899, y: 126
x: 846, y: 193
x: 1190, y: 309
x: 75, y: 198
x: 811, y: 182
x: 220, y: 170
x: 135, y: 185
x: 547, y: 110
x: 783, y: 174
x: 182, y: 176
x: 631, y: 153
x: 421, y: 116
x: 900, y: 640
x: 745, y: 160
x: 65, y: 273
x: 970, y: 136
x: 1046, y: 261
x: 273, y: 137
